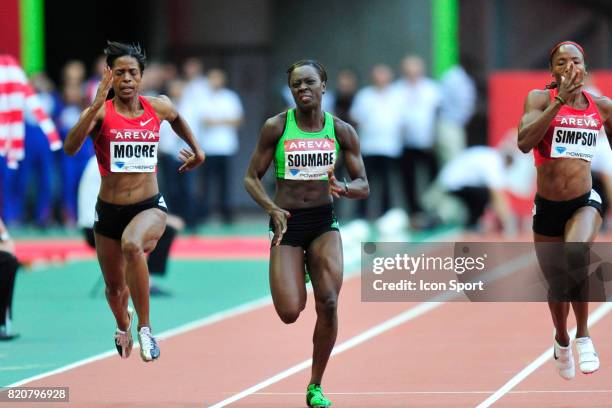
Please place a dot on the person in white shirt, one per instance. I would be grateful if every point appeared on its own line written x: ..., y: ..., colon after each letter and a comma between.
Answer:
x: 179, y: 192
x: 477, y: 177
x: 458, y: 104
x: 421, y: 99
x: 221, y: 115
x: 377, y: 113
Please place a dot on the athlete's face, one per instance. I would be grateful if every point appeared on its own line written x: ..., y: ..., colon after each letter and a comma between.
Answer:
x: 306, y: 86
x: 126, y: 77
x: 566, y: 58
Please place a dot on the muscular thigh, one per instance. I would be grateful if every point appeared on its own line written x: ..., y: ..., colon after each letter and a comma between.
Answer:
x: 325, y: 263
x: 287, y: 282
x: 583, y: 226
x: 146, y: 228
x: 111, y: 260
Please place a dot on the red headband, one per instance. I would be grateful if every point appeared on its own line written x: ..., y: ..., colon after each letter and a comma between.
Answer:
x: 556, y: 47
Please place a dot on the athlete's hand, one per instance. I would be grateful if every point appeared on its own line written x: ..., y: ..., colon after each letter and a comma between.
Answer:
x: 571, y: 81
x: 105, y: 85
x: 279, y: 220
x: 336, y: 188
x: 190, y: 159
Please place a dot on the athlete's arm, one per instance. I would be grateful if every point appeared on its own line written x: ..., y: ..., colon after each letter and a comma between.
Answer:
x: 537, y: 115
x: 270, y: 134
x: 91, y: 117
x: 261, y: 159
x: 166, y: 111
x: 604, y: 104
x: 358, y: 187
x: 539, y: 112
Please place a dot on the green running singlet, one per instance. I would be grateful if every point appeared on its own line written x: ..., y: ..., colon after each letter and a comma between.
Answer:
x: 306, y: 155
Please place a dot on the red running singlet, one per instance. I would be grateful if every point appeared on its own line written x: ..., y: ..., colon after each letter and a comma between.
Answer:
x: 572, y: 134
x: 127, y: 145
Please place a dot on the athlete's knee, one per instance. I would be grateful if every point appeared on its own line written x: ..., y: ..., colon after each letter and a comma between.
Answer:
x: 327, y: 306
x: 131, y: 249
x: 115, y: 290
x: 289, y: 315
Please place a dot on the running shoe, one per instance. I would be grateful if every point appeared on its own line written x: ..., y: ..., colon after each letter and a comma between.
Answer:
x: 564, y: 361
x: 149, y: 350
x: 315, y: 397
x: 123, y: 339
x: 587, y: 356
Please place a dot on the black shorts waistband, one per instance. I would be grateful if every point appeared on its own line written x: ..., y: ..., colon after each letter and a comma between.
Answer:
x: 574, y: 201
x: 147, y: 201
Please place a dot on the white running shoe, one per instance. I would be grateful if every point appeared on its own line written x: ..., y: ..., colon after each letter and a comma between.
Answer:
x: 587, y: 356
x: 564, y: 361
x: 123, y: 339
x: 149, y: 350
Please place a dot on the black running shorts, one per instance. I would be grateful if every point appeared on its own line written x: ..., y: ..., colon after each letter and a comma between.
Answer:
x: 111, y: 219
x: 307, y: 224
x: 550, y: 217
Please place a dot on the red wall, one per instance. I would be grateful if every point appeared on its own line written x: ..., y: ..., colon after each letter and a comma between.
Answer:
x: 9, y: 27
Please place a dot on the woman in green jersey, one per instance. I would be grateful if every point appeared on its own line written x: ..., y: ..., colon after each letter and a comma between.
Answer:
x: 304, y: 144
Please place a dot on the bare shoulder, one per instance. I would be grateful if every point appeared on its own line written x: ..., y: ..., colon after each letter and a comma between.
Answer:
x: 604, y: 104
x: 345, y: 132
x: 161, y: 101
x: 274, y: 126
x: 162, y: 105
x: 538, y: 99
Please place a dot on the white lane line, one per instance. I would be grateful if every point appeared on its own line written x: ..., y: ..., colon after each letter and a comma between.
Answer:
x: 244, y: 308
x: 594, y: 317
x: 383, y: 393
x: 421, y: 308
x: 387, y: 325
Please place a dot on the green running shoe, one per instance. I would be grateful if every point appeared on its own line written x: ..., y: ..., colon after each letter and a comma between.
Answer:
x: 315, y: 397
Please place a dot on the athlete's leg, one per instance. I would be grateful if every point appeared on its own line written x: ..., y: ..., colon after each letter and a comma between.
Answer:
x: 325, y: 265
x: 558, y: 309
x: 139, y: 238
x: 581, y: 228
x: 287, y: 282
x: 112, y: 264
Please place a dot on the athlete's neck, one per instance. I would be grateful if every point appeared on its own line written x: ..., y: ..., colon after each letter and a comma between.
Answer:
x: 577, y: 100
x: 311, y: 120
x: 129, y: 107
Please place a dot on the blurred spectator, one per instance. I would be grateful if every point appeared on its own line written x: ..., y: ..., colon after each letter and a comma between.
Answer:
x: 377, y: 113
x: 420, y: 100
x: 72, y: 167
x: 221, y: 114
x: 89, y: 186
x: 8, y: 272
x: 19, y: 104
x: 73, y: 73
x: 91, y: 86
x: 152, y: 83
x: 476, y: 176
x: 458, y: 106
x: 179, y: 192
x: 345, y: 93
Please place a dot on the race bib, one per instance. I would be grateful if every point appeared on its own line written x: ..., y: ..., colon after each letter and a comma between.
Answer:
x: 574, y: 143
x: 133, y: 157
x: 309, y: 159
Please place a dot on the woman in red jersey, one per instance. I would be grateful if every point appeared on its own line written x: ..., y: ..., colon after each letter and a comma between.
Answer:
x: 560, y: 124
x: 130, y: 212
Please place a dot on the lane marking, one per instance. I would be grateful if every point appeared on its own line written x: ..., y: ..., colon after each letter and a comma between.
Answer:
x: 594, y: 317
x: 383, y: 393
x: 387, y: 325
x: 410, y: 314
